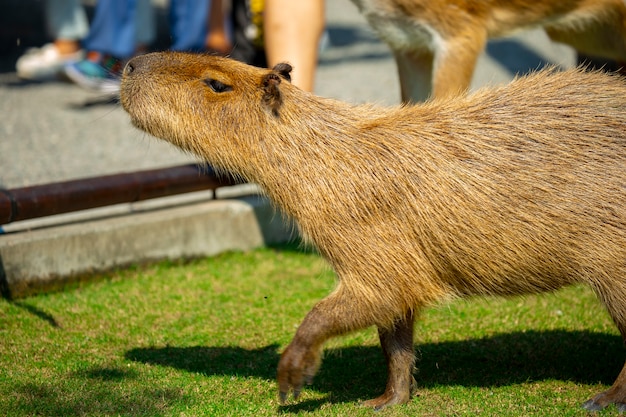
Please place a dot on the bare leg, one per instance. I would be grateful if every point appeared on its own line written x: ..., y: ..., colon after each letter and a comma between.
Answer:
x: 397, y: 344
x: 217, y: 39
x: 67, y: 47
x: 292, y: 34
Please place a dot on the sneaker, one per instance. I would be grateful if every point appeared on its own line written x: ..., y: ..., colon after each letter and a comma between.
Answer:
x: 45, y: 63
x: 99, y: 73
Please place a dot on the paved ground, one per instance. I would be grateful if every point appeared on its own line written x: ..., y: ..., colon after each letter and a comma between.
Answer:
x: 56, y: 131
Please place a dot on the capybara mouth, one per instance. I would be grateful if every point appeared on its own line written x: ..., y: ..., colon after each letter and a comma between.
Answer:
x: 128, y: 92
x: 132, y: 92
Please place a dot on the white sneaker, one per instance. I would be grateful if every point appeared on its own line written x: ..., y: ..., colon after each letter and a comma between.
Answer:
x: 45, y: 63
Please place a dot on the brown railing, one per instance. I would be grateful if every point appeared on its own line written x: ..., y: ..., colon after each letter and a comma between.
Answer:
x: 68, y: 196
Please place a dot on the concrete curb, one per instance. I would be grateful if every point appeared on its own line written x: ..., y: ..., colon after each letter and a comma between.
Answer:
x: 43, y: 259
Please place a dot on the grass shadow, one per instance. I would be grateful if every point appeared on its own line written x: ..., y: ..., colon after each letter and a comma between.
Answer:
x: 37, y: 312
x: 94, y: 391
x: 228, y: 360
x: 357, y: 373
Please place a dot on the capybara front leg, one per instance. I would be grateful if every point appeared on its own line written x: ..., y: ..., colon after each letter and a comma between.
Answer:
x: 614, y: 395
x: 300, y: 361
x: 335, y: 315
x: 397, y: 345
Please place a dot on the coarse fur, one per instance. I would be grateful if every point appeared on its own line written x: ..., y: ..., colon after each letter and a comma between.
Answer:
x: 512, y: 190
x: 436, y: 42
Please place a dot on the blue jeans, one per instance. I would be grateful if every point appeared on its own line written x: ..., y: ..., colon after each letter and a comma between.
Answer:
x: 188, y: 24
x: 114, y: 29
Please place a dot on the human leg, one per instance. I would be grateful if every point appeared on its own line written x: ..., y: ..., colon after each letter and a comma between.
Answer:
x: 67, y: 25
x: 292, y: 33
x: 188, y: 23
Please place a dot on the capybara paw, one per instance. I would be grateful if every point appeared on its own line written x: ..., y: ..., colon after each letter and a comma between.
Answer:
x: 602, y: 400
x: 296, y: 368
x: 388, y: 399
x: 400, y: 392
x: 591, y: 405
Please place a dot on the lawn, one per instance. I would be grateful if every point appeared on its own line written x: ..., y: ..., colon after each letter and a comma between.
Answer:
x: 203, y: 338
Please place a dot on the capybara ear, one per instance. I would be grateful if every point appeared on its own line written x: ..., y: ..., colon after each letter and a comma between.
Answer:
x: 284, y: 70
x: 272, y: 98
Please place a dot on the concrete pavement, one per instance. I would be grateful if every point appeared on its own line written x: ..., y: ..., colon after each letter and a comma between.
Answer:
x: 55, y: 131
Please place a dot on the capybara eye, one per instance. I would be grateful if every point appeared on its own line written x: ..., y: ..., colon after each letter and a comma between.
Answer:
x: 218, y: 86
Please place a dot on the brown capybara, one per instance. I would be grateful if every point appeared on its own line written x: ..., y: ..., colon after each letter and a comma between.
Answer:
x: 512, y: 190
x: 436, y: 43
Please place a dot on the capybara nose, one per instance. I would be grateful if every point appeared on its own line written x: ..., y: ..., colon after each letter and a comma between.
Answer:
x: 138, y: 65
x: 134, y: 66
x: 129, y: 68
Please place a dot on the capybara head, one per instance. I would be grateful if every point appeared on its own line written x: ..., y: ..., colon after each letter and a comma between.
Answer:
x: 195, y: 92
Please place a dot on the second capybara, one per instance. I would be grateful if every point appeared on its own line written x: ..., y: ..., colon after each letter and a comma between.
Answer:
x: 511, y: 190
x: 436, y: 43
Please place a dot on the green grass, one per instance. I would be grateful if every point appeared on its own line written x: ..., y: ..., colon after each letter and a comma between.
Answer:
x: 203, y: 338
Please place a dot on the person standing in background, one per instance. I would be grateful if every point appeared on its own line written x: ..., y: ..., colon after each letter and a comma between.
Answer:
x: 67, y: 25
x: 122, y: 29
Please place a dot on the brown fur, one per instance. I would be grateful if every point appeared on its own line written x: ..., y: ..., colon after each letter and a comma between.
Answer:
x: 513, y: 190
x: 437, y: 42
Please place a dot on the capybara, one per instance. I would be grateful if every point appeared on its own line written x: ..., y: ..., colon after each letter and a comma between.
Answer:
x: 511, y: 190
x: 436, y: 42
